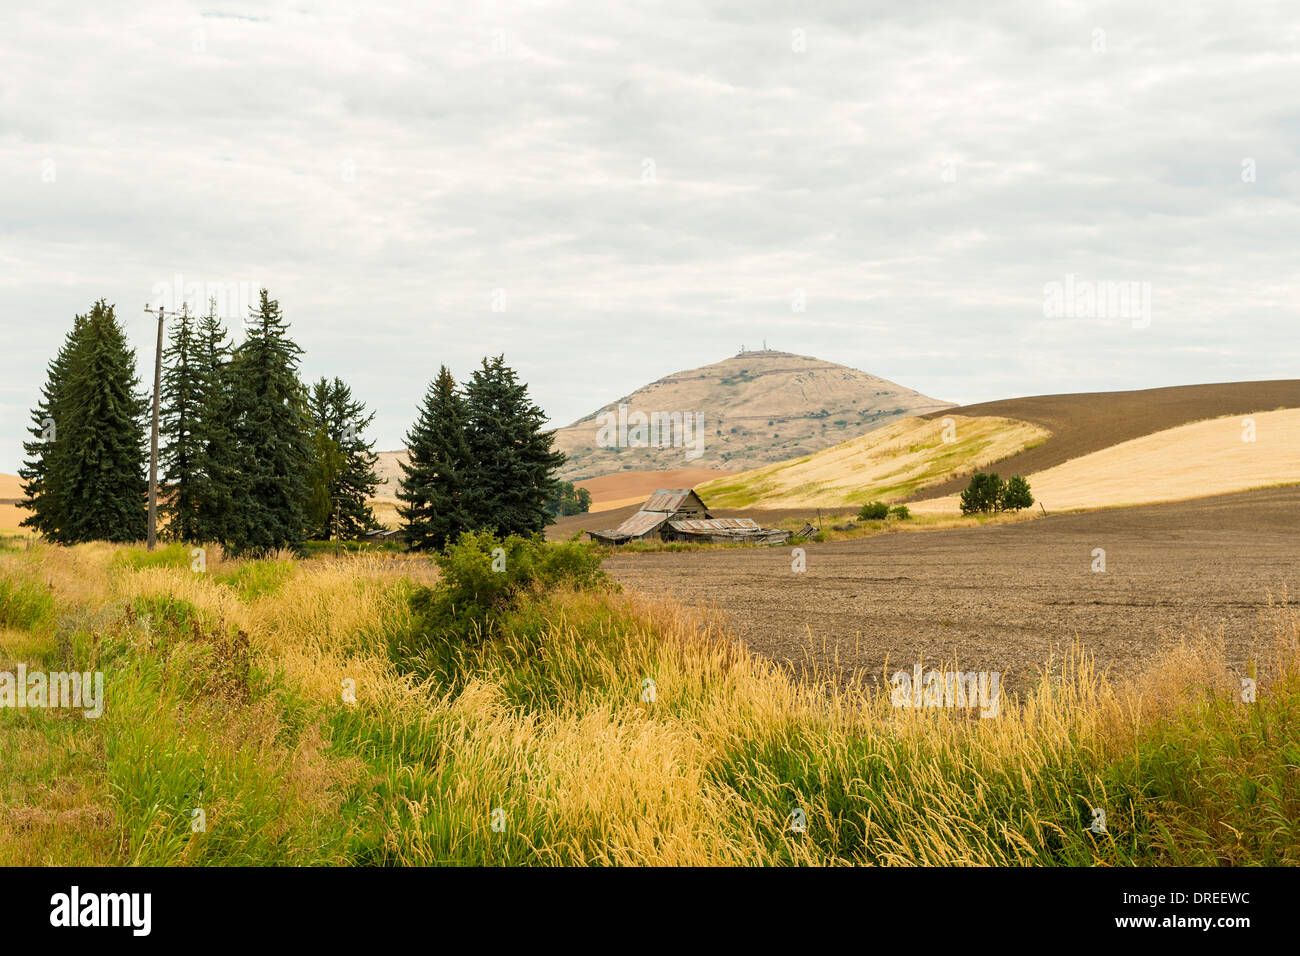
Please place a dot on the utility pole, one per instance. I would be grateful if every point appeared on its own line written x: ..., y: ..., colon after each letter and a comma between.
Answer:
x: 153, y: 433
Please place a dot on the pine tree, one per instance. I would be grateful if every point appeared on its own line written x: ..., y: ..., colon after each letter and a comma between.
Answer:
x: 514, y: 463
x: 101, y: 457
x: 434, y: 482
x: 272, y: 437
x: 344, y: 479
x: 40, y: 472
x: 216, y: 474
x: 182, y: 398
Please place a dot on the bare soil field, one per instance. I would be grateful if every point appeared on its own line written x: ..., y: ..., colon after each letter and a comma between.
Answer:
x: 1086, y: 422
x: 623, y: 488
x: 1003, y: 598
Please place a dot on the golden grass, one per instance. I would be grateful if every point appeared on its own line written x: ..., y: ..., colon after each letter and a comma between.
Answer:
x: 887, y: 464
x: 1191, y: 461
x: 548, y: 724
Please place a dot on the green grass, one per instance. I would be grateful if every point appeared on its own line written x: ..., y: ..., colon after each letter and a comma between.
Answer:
x: 254, y: 579
x: 235, y: 708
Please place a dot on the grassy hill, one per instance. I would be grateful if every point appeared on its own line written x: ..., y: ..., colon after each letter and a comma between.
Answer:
x: 887, y: 464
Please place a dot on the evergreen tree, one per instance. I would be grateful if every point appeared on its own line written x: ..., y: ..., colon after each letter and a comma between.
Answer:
x: 1015, y: 494
x: 40, y: 472
x: 434, y: 482
x: 514, y: 463
x: 983, y: 494
x: 344, y: 479
x: 182, y: 397
x: 272, y: 437
x: 215, y: 473
x: 99, y: 464
x: 327, y: 464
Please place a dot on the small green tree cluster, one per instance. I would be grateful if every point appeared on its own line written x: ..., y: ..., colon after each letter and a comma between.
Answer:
x: 480, y: 459
x: 569, y: 500
x: 987, y: 493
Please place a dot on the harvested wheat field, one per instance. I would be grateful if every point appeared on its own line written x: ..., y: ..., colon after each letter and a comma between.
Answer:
x: 1220, y: 456
x: 11, y: 491
x: 1083, y: 423
x: 1005, y: 598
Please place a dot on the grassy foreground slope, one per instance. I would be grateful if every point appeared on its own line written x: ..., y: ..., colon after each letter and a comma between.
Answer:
x: 1216, y: 457
x: 887, y: 464
x: 225, y: 692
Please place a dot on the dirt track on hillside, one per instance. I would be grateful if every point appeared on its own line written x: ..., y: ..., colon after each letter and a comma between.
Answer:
x: 1089, y: 421
x: 1003, y: 598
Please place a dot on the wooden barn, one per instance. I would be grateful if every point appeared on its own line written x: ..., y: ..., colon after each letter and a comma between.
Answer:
x: 678, y: 514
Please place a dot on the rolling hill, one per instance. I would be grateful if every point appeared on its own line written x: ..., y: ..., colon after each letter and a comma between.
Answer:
x: 756, y: 407
x: 1195, y: 460
x: 1085, y: 450
x: 887, y: 464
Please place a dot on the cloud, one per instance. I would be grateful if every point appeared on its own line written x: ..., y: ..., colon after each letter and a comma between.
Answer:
x: 650, y: 184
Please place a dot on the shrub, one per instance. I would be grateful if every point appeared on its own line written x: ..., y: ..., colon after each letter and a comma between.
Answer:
x: 483, y: 578
x: 874, y: 511
x: 901, y: 512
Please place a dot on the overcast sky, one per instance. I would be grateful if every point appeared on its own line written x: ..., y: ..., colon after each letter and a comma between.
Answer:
x: 644, y: 187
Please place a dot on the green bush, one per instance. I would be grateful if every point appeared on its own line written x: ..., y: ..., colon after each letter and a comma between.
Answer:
x: 483, y: 579
x: 874, y: 511
x: 901, y: 512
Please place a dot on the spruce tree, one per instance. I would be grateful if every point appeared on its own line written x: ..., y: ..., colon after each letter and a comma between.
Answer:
x: 215, y: 473
x: 40, y: 472
x: 327, y: 463
x: 182, y: 398
x: 344, y: 478
x: 514, y: 462
x: 272, y: 437
x: 100, y: 461
x: 434, y: 481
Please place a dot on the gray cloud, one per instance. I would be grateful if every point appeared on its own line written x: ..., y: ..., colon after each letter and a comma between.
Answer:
x: 384, y: 169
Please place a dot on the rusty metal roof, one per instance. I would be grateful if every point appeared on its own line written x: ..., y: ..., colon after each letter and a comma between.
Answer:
x: 714, y: 524
x: 643, y: 522
x: 669, y: 500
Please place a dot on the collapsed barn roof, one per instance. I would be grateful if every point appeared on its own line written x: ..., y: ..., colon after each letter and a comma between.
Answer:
x: 679, y: 514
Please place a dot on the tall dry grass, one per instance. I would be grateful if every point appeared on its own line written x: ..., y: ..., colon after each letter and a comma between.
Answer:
x: 232, y: 691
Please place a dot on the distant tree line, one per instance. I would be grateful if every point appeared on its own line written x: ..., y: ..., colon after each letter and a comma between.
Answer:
x: 249, y: 457
x: 568, y: 500
x: 254, y: 459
